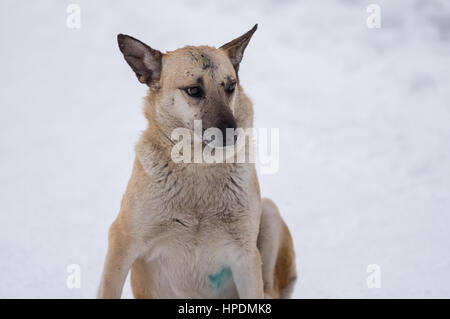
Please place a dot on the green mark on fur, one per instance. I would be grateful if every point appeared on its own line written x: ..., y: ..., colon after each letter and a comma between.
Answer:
x: 218, y: 279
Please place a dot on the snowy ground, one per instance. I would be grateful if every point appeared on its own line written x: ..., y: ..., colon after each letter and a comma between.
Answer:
x: 364, y: 118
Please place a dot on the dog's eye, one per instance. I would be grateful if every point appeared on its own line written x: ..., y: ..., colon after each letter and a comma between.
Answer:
x: 194, y: 91
x: 230, y: 88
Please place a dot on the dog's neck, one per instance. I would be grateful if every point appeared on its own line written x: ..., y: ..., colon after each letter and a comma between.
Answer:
x: 187, y: 183
x: 155, y: 149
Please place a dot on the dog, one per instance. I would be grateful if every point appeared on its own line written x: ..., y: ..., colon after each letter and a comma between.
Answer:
x: 195, y: 230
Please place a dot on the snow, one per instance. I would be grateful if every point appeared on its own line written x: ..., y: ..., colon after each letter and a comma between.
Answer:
x: 364, y: 119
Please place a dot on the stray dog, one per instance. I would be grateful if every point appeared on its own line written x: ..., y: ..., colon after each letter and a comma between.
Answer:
x: 190, y: 230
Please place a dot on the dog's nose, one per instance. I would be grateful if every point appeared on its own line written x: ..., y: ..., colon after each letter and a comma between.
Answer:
x: 228, y: 128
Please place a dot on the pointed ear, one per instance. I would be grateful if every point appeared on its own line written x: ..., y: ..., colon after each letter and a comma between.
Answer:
x: 235, y: 49
x: 145, y: 61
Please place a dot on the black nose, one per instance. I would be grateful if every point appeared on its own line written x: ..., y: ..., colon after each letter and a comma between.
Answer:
x: 228, y: 125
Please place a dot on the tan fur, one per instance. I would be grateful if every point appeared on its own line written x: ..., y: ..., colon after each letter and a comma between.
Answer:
x: 277, y: 250
x: 181, y: 226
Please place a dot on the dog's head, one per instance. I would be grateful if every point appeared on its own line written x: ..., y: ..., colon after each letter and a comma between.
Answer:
x: 191, y: 83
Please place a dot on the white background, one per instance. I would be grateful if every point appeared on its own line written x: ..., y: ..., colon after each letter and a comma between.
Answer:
x: 364, y: 119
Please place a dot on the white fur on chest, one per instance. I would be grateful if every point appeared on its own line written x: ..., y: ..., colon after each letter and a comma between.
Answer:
x: 189, y: 260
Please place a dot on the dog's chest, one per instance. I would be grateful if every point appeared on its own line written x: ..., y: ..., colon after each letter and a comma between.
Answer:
x: 192, y: 257
x: 202, y: 191
x: 200, y: 217
x: 188, y: 268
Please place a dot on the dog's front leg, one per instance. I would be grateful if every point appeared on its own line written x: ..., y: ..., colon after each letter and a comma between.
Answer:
x: 121, y: 254
x: 247, y: 274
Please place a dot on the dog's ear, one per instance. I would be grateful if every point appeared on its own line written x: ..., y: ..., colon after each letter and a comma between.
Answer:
x: 145, y: 61
x: 235, y: 49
